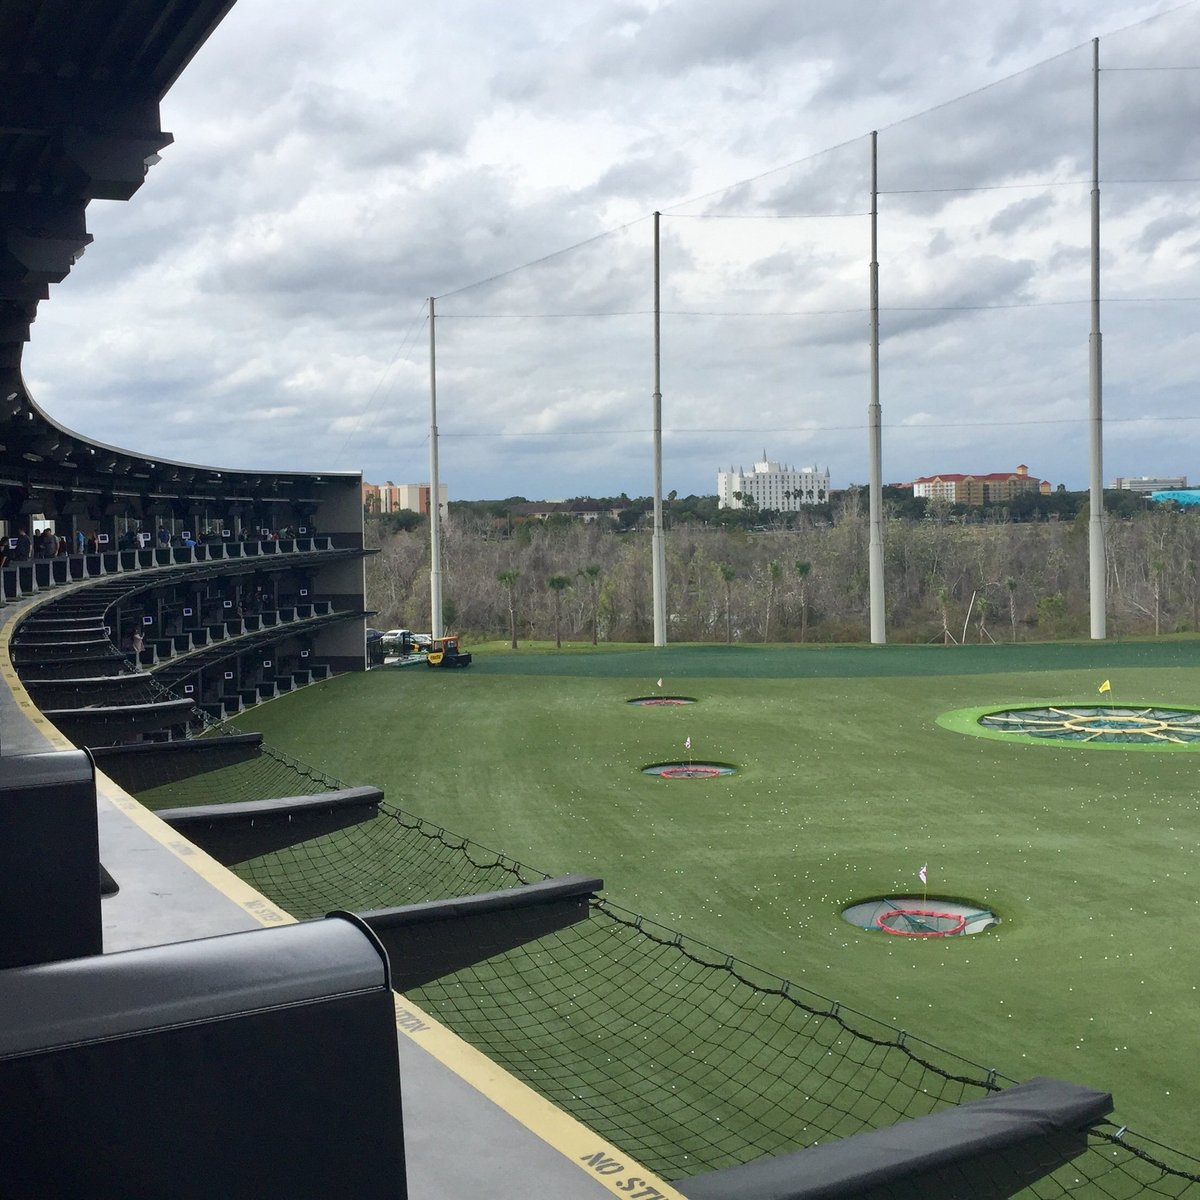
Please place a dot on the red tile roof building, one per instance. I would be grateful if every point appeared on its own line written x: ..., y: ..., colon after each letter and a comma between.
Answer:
x: 979, y: 489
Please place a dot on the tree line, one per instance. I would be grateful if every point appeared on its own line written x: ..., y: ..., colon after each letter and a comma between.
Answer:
x: 946, y: 580
x: 624, y: 512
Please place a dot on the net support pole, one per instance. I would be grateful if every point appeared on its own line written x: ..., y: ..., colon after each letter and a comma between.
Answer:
x: 657, y: 549
x: 435, y: 506
x: 875, y: 423
x: 1097, y: 569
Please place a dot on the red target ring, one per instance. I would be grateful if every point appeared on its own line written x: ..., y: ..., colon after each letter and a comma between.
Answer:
x: 916, y: 922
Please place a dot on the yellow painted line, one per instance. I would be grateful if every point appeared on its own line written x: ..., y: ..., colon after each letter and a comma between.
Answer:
x: 27, y: 708
x: 212, y: 872
x: 601, y: 1160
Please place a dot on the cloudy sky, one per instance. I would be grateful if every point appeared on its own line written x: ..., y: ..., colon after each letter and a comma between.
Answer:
x: 262, y: 301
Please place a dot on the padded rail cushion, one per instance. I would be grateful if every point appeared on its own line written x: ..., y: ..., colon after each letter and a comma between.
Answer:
x: 234, y: 833
x: 144, y: 765
x: 261, y: 1063
x: 57, y: 693
x: 49, y: 858
x: 438, y: 937
x: 132, y: 716
x: 984, y: 1149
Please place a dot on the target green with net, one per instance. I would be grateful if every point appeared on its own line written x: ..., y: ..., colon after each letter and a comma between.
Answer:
x: 1105, y: 726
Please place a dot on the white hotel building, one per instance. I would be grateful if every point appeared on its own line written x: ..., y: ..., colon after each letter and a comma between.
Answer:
x: 771, y: 485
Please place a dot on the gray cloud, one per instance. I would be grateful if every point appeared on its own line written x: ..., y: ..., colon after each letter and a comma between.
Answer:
x: 1161, y: 230
x: 260, y: 301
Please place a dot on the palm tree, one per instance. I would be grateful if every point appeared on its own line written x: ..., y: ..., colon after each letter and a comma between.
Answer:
x: 774, y: 574
x: 558, y: 584
x: 728, y: 574
x: 985, y: 607
x: 943, y: 599
x: 803, y: 570
x: 592, y: 575
x: 509, y: 580
x: 1157, y: 567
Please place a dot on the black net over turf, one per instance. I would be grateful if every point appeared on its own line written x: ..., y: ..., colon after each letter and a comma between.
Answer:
x: 267, y: 775
x: 687, y: 1058
x: 1101, y: 724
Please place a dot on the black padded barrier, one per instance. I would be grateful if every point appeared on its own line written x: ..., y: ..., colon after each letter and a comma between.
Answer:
x: 49, y: 858
x: 982, y: 1150
x: 234, y: 833
x: 103, y: 724
x: 438, y: 937
x: 256, y: 1064
x: 143, y: 765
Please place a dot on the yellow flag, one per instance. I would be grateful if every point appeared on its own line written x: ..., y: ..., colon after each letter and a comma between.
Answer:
x: 1105, y: 687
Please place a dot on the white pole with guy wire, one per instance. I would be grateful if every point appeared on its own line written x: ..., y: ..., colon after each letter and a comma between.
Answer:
x: 1097, y: 573
x: 435, y: 506
x: 875, y: 422
x: 657, y: 551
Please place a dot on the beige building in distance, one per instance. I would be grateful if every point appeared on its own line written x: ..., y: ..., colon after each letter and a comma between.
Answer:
x: 997, y: 486
x: 401, y: 497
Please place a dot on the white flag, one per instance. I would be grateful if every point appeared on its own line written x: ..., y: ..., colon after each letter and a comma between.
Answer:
x: 923, y: 873
x: 660, y: 683
x: 687, y: 745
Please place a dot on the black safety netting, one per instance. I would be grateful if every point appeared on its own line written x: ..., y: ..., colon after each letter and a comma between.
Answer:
x: 687, y: 1058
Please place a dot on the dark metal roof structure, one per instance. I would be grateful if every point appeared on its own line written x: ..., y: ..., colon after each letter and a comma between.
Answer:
x: 80, y: 86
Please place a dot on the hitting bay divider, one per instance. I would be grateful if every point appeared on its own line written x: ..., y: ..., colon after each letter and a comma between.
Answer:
x: 94, y: 1044
x: 143, y: 765
x: 234, y: 833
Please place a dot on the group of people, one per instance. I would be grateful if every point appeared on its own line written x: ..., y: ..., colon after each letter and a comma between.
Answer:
x: 205, y: 537
x: 44, y: 543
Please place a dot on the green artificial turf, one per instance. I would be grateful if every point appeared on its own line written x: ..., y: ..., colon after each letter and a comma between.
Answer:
x: 846, y: 786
